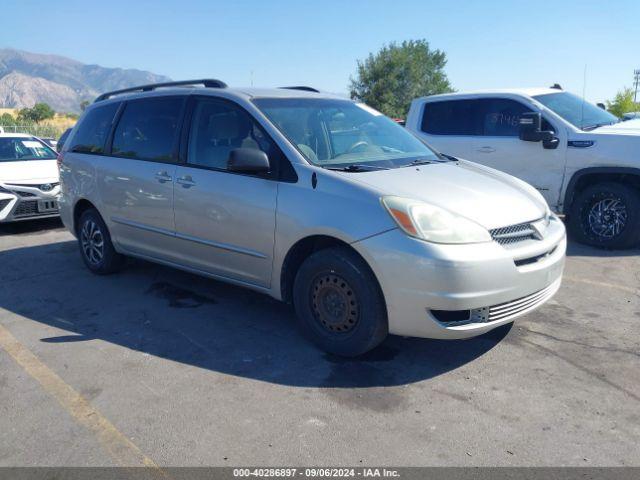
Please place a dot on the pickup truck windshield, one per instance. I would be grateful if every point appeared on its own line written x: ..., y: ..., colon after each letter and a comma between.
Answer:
x: 17, y: 149
x: 343, y: 135
x: 577, y: 111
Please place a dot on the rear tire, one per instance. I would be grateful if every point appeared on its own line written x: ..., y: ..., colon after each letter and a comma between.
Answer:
x: 95, y: 244
x: 606, y: 215
x: 339, y: 303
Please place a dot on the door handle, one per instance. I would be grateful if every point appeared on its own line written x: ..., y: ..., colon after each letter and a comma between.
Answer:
x: 186, y: 181
x: 163, y: 177
x: 486, y: 150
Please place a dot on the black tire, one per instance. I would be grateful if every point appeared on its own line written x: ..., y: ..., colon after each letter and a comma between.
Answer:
x: 606, y: 215
x: 339, y: 303
x: 95, y: 244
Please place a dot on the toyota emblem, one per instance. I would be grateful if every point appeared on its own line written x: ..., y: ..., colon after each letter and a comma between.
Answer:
x: 47, y: 187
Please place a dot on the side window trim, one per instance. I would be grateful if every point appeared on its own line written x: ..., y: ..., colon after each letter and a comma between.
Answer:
x: 114, y: 123
x: 175, y: 149
x: 276, y: 167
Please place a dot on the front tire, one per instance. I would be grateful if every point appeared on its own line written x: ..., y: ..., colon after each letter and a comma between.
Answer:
x: 339, y: 303
x: 606, y: 215
x: 95, y: 244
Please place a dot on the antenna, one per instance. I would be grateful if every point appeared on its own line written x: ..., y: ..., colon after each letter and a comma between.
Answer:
x: 584, y: 90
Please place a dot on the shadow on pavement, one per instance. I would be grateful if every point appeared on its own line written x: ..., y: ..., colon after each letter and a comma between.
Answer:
x: 211, y: 325
x: 575, y: 249
x: 30, y: 226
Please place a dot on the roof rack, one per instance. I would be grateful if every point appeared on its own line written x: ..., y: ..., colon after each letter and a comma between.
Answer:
x: 208, y: 83
x: 303, y: 88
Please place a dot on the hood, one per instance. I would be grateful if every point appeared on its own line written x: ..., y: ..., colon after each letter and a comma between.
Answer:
x: 630, y: 127
x: 488, y: 197
x: 29, y: 171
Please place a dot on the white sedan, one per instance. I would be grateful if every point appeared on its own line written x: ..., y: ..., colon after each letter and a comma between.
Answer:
x: 29, y: 180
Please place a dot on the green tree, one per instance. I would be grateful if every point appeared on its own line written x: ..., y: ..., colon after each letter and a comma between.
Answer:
x: 6, y: 119
x: 397, y: 74
x: 40, y: 111
x: 623, y: 103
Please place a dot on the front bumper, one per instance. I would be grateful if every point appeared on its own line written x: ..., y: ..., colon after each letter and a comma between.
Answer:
x: 497, y: 284
x: 27, y: 202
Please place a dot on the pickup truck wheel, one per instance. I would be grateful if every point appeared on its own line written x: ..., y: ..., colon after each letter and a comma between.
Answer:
x: 339, y: 303
x: 606, y: 215
x: 95, y: 244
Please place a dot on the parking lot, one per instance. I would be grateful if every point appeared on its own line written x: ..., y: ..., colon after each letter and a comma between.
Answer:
x: 158, y: 367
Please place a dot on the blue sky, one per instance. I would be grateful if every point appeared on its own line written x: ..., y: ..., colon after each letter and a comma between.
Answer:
x: 489, y: 44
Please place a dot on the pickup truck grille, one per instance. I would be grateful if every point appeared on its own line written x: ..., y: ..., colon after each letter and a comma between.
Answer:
x: 514, y: 233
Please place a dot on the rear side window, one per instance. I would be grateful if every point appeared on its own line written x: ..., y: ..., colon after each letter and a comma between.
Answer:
x: 93, y: 130
x: 454, y: 117
x: 492, y: 117
x: 148, y: 129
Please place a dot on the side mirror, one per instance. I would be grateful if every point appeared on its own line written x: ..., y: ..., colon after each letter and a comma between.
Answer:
x: 248, y: 160
x: 530, y: 130
x: 530, y: 127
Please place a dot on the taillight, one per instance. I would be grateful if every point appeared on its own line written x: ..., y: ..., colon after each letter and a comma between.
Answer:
x: 59, y: 159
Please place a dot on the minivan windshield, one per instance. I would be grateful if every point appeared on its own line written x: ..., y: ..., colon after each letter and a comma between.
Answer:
x: 577, y: 111
x: 17, y: 149
x: 344, y: 135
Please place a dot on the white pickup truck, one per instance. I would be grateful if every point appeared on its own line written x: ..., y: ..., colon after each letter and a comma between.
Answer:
x: 582, y: 159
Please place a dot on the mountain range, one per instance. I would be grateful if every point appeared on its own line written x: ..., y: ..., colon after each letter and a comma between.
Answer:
x: 28, y: 78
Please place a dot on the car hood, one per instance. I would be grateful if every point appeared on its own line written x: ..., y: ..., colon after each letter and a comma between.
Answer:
x: 490, y: 198
x: 630, y: 127
x: 29, y: 171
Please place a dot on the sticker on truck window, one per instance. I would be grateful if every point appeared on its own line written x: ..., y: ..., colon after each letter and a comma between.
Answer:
x: 367, y: 108
x: 32, y: 144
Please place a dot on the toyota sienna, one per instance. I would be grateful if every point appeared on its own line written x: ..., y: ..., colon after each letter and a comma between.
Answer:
x: 313, y: 199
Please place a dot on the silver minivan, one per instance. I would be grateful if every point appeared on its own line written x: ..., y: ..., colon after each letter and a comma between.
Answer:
x: 313, y: 199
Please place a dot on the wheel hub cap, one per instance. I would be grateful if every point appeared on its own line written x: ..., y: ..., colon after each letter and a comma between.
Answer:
x: 92, y: 242
x: 334, y: 303
x: 607, y: 217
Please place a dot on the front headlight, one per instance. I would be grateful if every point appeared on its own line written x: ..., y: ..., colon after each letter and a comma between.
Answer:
x: 434, y: 224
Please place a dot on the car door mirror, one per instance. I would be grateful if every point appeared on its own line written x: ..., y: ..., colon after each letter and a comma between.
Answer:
x: 248, y: 160
x: 530, y: 130
x: 530, y: 127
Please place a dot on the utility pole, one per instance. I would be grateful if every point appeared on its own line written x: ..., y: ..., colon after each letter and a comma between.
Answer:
x: 636, y: 83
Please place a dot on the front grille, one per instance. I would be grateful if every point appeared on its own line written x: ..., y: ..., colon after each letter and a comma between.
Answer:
x: 25, y: 194
x: 502, y: 311
x: 26, y: 209
x: 29, y: 208
x: 515, y: 307
x: 4, y: 203
x: 513, y: 234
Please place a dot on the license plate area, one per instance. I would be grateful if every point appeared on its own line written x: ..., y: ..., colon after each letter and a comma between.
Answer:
x: 46, y: 206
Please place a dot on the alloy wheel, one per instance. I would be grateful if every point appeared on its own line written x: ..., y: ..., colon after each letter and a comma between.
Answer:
x: 92, y: 242
x: 607, y: 217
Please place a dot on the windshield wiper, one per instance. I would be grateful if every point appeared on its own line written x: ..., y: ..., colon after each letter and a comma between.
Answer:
x: 449, y: 157
x: 357, y: 168
x: 598, y: 125
x: 419, y: 161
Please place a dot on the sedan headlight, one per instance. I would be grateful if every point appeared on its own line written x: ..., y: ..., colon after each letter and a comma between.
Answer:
x: 434, y: 224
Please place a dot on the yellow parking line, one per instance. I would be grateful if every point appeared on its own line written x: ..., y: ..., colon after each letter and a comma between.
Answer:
x: 601, y: 284
x: 120, y: 448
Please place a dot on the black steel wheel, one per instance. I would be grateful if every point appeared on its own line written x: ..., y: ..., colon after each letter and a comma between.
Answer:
x: 339, y: 303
